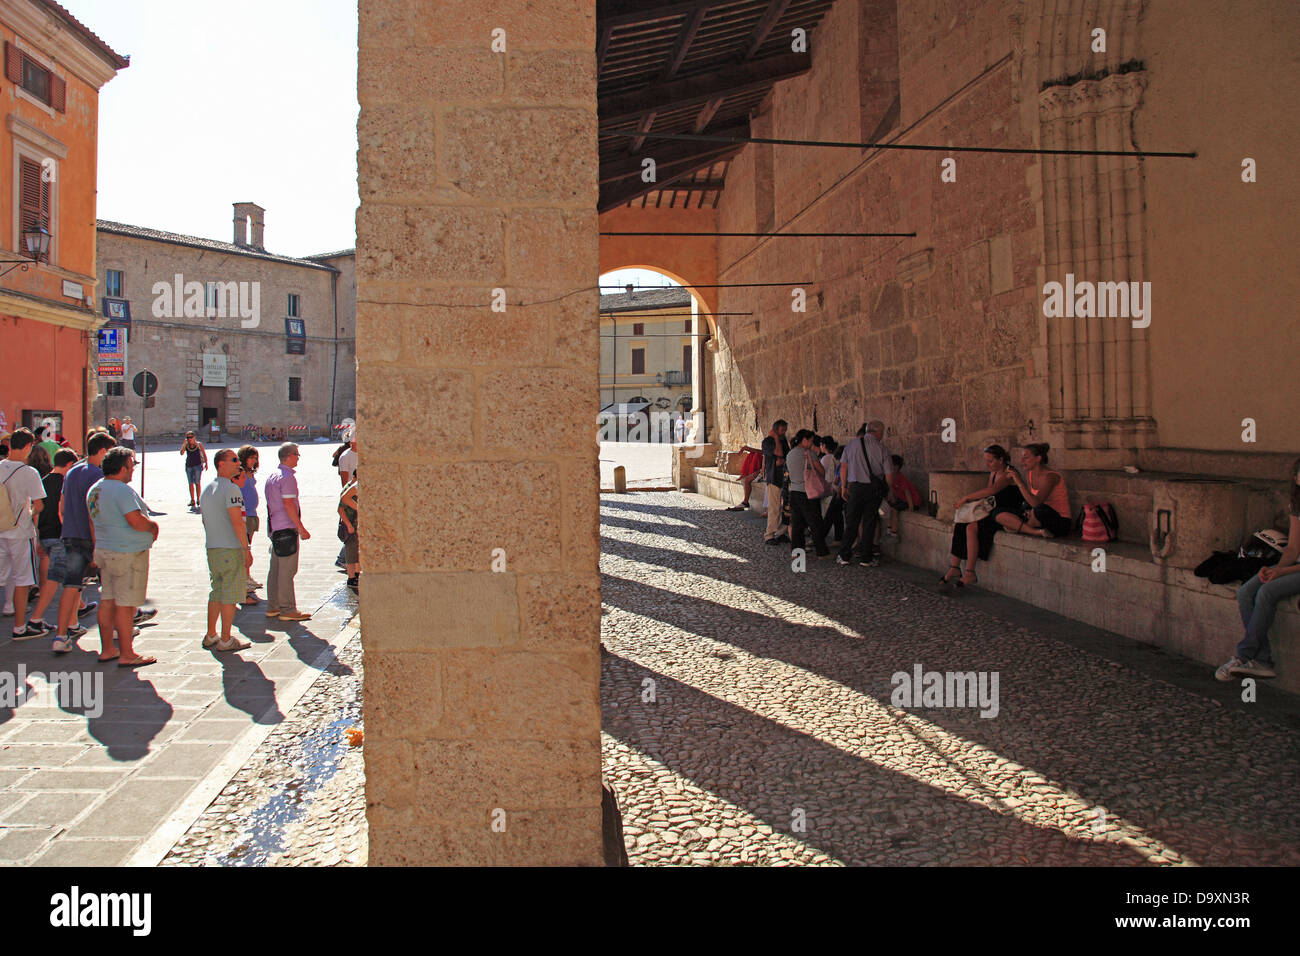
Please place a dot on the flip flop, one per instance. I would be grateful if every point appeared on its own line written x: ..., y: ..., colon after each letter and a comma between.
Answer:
x: 106, y: 660
x: 138, y: 662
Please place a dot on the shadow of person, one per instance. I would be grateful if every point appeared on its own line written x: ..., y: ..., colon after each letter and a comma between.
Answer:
x: 122, y: 708
x: 248, y: 689
x: 316, y: 652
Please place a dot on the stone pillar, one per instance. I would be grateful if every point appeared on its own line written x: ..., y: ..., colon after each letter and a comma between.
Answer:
x: 480, y: 605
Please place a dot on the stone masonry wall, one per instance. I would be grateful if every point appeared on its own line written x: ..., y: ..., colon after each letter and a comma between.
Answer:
x: 477, y: 171
x: 912, y: 331
x: 258, y: 366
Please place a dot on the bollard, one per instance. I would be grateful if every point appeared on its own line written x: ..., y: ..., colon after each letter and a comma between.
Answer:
x: 620, y: 479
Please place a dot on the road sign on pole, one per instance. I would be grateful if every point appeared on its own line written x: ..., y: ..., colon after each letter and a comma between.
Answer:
x: 145, y: 384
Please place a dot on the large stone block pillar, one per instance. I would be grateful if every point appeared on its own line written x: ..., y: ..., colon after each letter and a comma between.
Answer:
x: 480, y: 603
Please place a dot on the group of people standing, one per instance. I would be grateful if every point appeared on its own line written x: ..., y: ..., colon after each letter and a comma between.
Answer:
x: 816, y: 486
x: 66, y: 521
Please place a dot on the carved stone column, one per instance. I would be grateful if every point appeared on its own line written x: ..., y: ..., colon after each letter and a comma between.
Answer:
x: 1093, y: 224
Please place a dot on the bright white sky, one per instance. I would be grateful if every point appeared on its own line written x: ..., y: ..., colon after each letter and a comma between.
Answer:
x: 235, y: 101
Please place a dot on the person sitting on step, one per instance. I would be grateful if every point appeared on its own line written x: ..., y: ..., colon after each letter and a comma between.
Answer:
x: 972, y: 541
x: 1046, y: 512
x: 1258, y: 598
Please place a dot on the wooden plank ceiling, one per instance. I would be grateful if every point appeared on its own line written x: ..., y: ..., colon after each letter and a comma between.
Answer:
x: 698, y: 66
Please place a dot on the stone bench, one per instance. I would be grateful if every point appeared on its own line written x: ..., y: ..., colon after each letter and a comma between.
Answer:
x: 1157, y: 604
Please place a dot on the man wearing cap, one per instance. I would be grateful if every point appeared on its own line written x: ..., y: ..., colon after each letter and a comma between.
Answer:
x: 865, y: 472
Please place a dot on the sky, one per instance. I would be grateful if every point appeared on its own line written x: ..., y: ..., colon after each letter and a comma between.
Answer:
x: 237, y: 101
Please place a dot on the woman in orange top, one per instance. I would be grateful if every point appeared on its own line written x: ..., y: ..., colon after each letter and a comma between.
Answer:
x: 1047, y: 514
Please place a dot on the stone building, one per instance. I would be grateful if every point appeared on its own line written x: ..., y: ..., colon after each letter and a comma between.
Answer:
x: 54, y: 68
x: 647, y: 353
x: 484, y: 168
x: 255, y: 341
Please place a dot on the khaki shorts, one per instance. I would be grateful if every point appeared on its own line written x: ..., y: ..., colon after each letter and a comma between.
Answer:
x: 123, y: 577
x: 226, y: 569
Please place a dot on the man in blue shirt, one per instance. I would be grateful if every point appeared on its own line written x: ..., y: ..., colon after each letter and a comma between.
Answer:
x: 78, y: 545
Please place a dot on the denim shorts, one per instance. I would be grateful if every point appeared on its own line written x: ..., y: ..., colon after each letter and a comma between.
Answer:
x: 77, y: 558
x: 58, y: 558
x: 193, y: 473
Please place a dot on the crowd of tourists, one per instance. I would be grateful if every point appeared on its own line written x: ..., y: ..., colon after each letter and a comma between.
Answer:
x: 834, y: 494
x: 68, y: 521
x: 822, y: 493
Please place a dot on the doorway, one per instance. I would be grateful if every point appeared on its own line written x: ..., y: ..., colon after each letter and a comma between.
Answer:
x: 212, y: 400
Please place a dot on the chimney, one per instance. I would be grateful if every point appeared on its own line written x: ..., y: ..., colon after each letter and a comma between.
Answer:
x: 246, y: 212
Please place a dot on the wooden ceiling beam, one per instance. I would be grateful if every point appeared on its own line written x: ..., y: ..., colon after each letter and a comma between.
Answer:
x: 617, y: 194
x: 775, y: 11
x: 729, y: 81
x: 684, y: 40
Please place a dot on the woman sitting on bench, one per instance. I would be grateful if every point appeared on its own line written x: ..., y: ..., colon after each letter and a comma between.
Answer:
x: 972, y: 541
x: 1047, y: 504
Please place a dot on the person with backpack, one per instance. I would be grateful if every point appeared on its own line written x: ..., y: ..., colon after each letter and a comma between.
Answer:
x: 20, y: 507
x: 1258, y: 598
x: 1047, y: 502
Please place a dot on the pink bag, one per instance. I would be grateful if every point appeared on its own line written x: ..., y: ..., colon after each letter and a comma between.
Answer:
x: 814, y: 485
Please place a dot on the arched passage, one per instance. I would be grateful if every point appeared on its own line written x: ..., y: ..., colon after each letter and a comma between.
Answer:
x: 691, y: 262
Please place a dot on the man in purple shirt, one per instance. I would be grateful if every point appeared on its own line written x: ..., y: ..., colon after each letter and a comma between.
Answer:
x: 284, y: 515
x: 78, y: 546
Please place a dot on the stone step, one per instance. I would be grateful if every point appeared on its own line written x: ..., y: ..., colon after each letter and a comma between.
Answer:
x: 1156, y: 604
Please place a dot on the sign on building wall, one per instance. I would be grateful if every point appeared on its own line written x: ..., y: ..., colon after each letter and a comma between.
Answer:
x: 295, y: 337
x: 214, y: 369
x: 110, y: 354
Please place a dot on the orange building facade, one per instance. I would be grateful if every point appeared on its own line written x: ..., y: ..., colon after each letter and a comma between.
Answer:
x: 54, y: 68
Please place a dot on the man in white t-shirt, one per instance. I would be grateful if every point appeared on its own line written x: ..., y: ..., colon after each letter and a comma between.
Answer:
x: 128, y: 432
x: 18, y: 541
x: 348, y: 461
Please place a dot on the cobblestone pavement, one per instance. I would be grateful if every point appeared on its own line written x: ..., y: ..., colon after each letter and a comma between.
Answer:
x: 748, y: 720
x: 301, y: 799
x: 80, y: 789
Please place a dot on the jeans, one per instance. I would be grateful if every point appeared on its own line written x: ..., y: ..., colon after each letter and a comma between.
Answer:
x: 1258, y: 602
x: 806, y: 513
x: 862, y: 513
x: 279, y: 583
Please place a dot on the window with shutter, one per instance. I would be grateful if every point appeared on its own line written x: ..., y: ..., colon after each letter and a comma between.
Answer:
x: 638, y: 361
x: 35, y: 78
x: 13, y: 63
x: 34, y: 204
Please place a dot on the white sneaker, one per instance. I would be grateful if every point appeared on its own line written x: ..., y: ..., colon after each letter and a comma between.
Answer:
x: 1224, y: 673
x: 1253, y: 668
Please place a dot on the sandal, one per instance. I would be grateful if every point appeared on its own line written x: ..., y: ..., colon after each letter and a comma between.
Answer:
x: 138, y: 662
x: 975, y: 580
x: 946, y: 579
x: 735, y: 508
